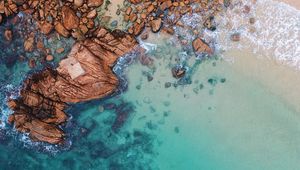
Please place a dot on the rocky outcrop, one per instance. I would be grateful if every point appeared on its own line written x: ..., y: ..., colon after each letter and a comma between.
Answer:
x: 84, y: 75
x: 201, y: 47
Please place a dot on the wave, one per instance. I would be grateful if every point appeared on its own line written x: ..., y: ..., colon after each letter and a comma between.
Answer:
x: 275, y: 34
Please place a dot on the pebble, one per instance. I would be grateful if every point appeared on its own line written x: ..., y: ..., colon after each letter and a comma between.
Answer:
x: 8, y: 35
x: 49, y: 58
x: 252, y: 20
x: 60, y: 50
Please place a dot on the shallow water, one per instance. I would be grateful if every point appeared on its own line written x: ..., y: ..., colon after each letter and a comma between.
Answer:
x: 223, y: 115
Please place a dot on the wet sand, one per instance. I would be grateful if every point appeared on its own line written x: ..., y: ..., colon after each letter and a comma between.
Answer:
x: 294, y: 3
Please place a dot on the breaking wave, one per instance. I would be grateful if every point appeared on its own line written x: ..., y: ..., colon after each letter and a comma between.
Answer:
x: 275, y: 33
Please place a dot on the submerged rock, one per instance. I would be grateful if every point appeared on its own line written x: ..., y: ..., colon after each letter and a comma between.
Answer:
x: 178, y: 72
x: 8, y: 35
x: 84, y: 75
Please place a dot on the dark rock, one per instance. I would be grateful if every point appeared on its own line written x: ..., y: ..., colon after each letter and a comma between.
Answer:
x: 168, y: 84
x: 178, y: 72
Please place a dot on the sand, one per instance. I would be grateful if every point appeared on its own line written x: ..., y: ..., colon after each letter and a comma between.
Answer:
x: 294, y: 3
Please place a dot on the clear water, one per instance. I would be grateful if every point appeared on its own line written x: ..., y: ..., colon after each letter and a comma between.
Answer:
x: 217, y: 118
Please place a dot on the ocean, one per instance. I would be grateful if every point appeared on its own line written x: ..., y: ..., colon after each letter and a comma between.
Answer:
x: 236, y: 110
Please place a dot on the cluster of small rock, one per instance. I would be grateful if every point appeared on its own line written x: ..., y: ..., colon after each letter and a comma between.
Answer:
x: 167, y: 13
x: 7, y: 8
x: 70, y: 17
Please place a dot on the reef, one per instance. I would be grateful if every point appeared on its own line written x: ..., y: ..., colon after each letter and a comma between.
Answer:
x: 84, y: 75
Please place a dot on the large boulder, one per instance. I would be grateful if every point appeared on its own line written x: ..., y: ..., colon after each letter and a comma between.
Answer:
x: 69, y: 18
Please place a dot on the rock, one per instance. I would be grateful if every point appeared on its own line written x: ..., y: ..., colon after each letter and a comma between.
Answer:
x: 45, y: 27
x: 201, y: 47
x: 94, y: 3
x: 235, y: 37
x: 149, y: 78
x: 145, y: 60
x: 49, y: 58
x: 178, y: 72
x: 29, y: 43
x: 135, y: 1
x: 128, y: 11
x: 168, y: 84
x: 78, y: 3
x: 1, y: 18
x: 252, y: 20
x: 101, y: 109
x: 69, y: 18
x: 8, y: 35
x: 2, y: 7
x: 60, y: 50
x: 86, y: 74
x: 92, y: 14
x: 210, y: 24
x: 138, y: 28
x: 246, y: 9
x: 156, y: 25
x: 31, y: 63
x: 61, y: 30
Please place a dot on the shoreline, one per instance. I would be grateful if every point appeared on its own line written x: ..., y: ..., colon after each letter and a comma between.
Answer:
x: 293, y: 3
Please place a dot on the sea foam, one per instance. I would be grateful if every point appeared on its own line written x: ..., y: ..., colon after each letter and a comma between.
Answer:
x: 275, y: 33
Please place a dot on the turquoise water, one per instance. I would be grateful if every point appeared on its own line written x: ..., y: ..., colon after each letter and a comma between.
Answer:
x: 219, y: 119
x: 216, y: 117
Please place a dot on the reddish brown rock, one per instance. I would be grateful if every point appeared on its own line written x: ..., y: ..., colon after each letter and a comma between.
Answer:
x: 78, y: 3
x: 49, y: 58
x: 45, y: 27
x: 61, y: 30
x: 156, y: 25
x: 135, y: 1
x: 29, y: 43
x: 92, y: 14
x: 69, y: 18
x: 8, y: 35
x: 138, y: 28
x: 94, y: 3
x: 84, y: 75
x: 201, y: 47
x: 60, y: 50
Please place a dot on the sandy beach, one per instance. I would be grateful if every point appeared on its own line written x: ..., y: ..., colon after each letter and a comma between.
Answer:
x: 294, y: 3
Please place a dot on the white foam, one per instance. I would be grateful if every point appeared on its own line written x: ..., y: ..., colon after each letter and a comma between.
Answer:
x: 277, y: 33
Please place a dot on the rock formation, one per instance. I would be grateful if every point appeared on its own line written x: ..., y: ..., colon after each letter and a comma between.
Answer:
x: 84, y: 75
x: 201, y: 47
